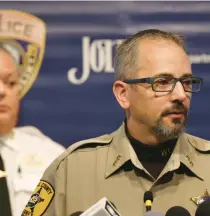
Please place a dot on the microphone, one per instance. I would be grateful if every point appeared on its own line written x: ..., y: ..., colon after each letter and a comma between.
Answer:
x: 151, y: 213
x: 78, y: 213
x: 102, y: 208
x: 148, y: 199
x: 203, y: 209
x: 177, y: 210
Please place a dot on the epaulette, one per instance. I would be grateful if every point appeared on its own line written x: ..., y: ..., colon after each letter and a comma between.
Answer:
x: 201, y: 145
x: 92, y: 142
x: 31, y: 130
x: 101, y: 140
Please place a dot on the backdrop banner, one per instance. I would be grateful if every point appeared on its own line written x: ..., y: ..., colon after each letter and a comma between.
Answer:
x: 72, y: 97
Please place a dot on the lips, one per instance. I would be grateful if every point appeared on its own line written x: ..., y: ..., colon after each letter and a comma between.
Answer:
x: 4, y: 108
x: 177, y: 109
x: 177, y: 113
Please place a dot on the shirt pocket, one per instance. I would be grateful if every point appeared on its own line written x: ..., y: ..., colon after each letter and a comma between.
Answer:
x: 27, y: 181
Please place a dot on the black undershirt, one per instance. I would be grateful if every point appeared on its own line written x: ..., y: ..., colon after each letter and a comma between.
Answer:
x: 152, y: 157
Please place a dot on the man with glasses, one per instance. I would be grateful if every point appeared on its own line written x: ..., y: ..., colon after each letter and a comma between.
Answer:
x: 150, y: 151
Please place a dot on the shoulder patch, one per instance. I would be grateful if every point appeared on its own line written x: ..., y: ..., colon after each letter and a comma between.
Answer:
x: 105, y: 139
x: 199, y: 144
x: 40, y: 199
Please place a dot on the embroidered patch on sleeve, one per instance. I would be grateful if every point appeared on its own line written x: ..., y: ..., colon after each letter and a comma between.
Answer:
x: 40, y: 199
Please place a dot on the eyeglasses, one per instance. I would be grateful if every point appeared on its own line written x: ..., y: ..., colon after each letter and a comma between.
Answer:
x: 168, y: 83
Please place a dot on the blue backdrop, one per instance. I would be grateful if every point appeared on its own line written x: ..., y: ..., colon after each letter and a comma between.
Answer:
x: 72, y: 98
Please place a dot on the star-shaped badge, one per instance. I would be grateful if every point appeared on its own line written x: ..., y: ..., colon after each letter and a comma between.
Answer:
x: 200, y: 199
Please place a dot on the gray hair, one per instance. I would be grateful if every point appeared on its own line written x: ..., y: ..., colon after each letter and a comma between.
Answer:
x: 125, y: 62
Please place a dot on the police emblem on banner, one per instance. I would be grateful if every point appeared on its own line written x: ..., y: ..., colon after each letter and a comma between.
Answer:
x: 23, y: 36
x: 39, y: 200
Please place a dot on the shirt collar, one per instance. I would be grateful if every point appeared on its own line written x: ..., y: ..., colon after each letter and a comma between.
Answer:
x: 8, y: 140
x: 183, y: 153
x: 120, y: 151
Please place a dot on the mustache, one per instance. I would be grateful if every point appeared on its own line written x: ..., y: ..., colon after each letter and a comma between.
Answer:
x: 177, y: 107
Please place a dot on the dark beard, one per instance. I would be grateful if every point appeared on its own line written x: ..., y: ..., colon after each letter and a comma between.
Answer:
x: 175, y: 131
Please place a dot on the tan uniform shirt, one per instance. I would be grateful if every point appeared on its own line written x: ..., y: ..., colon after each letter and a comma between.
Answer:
x: 107, y: 166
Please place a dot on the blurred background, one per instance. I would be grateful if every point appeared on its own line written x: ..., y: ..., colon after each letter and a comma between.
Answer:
x: 72, y: 97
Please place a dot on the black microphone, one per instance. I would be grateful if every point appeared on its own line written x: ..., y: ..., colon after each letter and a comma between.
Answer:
x: 76, y: 213
x: 177, y: 210
x: 203, y: 209
x: 148, y: 199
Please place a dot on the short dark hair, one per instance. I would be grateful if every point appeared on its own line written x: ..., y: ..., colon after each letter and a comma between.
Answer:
x: 126, y: 53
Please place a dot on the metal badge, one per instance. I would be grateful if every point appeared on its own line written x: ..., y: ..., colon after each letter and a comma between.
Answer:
x: 200, y: 199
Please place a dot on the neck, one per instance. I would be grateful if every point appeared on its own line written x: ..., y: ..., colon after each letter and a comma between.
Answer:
x: 5, y: 130
x: 144, y: 134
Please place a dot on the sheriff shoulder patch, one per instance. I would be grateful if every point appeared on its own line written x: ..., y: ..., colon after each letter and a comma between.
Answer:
x: 40, y: 199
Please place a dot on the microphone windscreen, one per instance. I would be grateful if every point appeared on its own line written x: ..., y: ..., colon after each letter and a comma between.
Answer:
x: 148, y: 196
x: 203, y: 209
x: 177, y: 211
x: 150, y: 213
x: 76, y: 213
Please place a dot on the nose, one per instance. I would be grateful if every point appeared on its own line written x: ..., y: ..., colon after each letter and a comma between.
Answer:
x: 178, y: 93
x: 2, y: 89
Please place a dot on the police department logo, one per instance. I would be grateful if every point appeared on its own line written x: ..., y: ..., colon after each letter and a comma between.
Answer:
x: 40, y: 199
x: 23, y: 36
x: 35, y: 198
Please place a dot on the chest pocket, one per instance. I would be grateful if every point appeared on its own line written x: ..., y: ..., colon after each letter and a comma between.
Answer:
x: 29, y: 170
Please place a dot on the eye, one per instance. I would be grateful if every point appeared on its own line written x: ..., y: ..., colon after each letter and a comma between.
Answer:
x: 163, y: 80
x: 10, y: 83
x: 187, y: 81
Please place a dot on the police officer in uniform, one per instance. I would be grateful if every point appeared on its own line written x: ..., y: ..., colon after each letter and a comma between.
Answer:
x: 25, y: 152
x: 150, y: 150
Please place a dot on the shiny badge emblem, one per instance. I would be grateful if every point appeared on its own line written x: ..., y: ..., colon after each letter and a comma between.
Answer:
x: 200, y: 199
